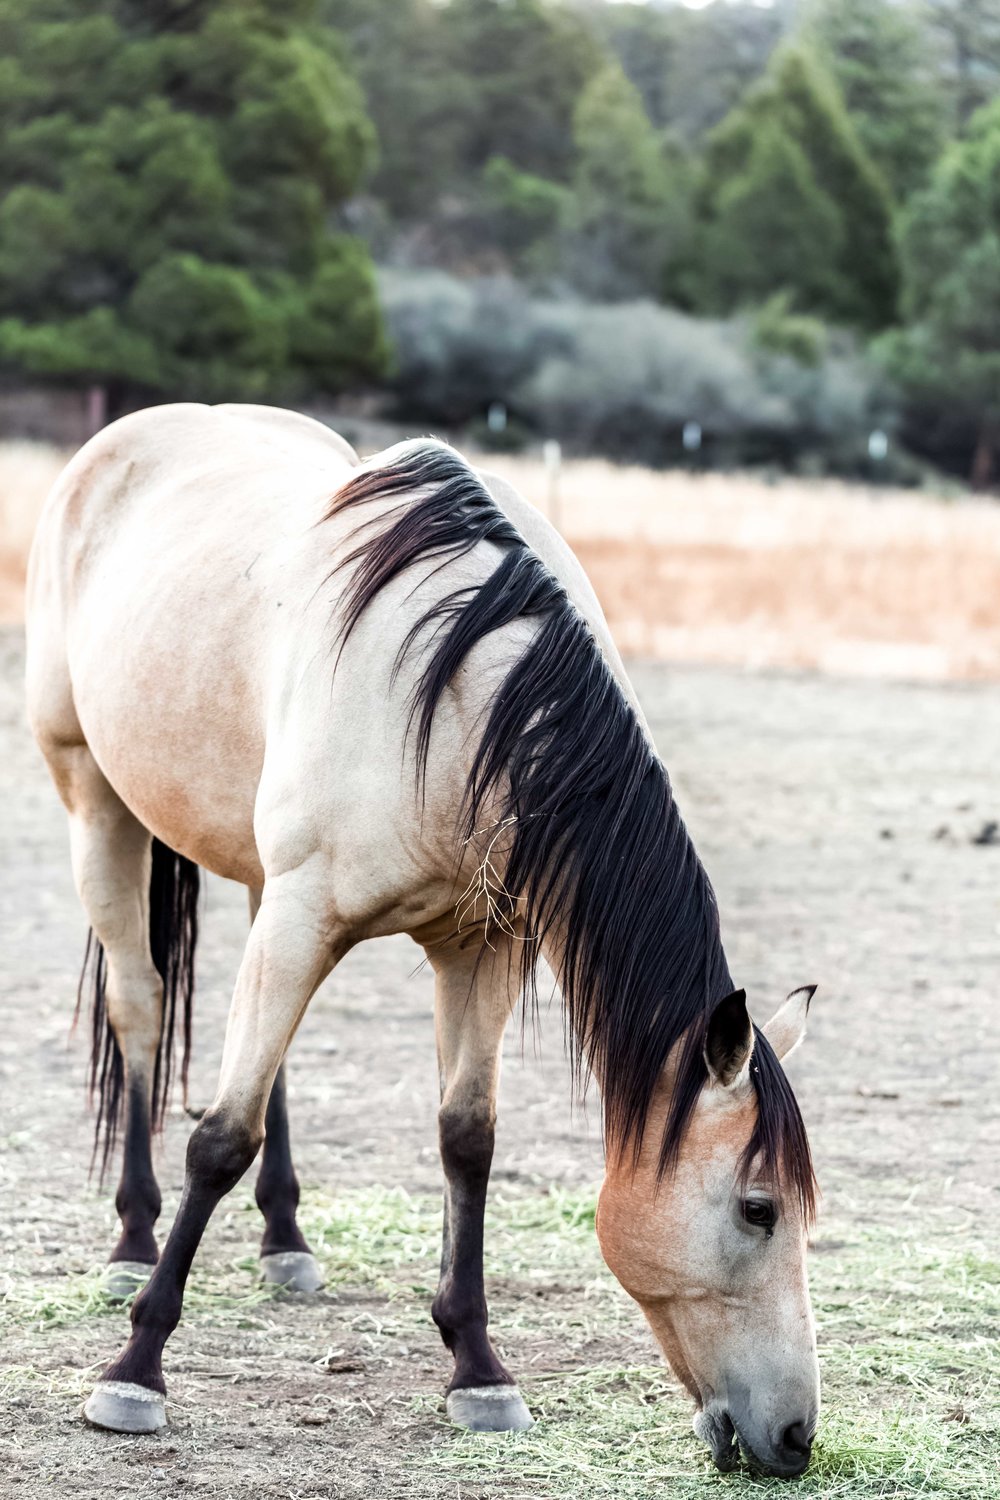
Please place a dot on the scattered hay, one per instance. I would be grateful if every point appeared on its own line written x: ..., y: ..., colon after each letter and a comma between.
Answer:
x: 909, y: 1349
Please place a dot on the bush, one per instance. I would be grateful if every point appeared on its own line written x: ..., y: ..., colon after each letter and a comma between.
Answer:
x: 623, y: 379
x: 630, y: 377
x: 459, y: 345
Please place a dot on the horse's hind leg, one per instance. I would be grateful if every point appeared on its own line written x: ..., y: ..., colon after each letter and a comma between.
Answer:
x: 292, y: 946
x: 285, y: 1258
x: 111, y: 866
x: 474, y: 1002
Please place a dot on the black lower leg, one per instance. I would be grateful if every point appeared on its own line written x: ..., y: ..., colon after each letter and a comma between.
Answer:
x: 138, y: 1196
x: 277, y: 1185
x: 459, y: 1309
x: 218, y: 1155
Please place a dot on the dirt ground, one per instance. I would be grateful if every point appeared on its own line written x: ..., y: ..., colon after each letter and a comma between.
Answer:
x: 846, y: 827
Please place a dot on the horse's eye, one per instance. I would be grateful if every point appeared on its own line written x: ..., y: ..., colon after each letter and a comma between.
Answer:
x: 760, y: 1212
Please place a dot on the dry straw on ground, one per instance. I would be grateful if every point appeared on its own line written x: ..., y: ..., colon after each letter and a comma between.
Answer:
x: 724, y: 568
x: 803, y: 574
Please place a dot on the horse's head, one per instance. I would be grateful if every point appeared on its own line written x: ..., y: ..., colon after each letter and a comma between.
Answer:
x: 714, y: 1248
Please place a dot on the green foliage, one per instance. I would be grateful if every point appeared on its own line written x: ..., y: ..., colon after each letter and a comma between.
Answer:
x: 881, y: 58
x: 417, y: 98
x: 165, y: 193
x: 778, y: 329
x: 630, y: 206
x: 948, y: 356
x: 774, y: 226
x: 789, y: 201
x: 452, y: 87
x: 523, y: 213
x: 527, y: 62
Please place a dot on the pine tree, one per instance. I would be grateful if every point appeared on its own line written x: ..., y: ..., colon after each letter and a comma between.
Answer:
x: 775, y: 226
x: 166, y: 188
x: 629, y: 210
x: 821, y: 164
x: 948, y: 354
x: 881, y: 58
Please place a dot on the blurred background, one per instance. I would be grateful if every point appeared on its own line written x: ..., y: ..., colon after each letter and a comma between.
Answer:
x: 717, y: 285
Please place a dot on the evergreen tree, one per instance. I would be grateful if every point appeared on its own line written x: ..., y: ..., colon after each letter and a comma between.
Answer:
x: 629, y: 209
x: 881, y: 58
x: 948, y: 355
x: 691, y: 66
x: 791, y: 146
x: 419, y: 100
x: 526, y: 62
x: 523, y: 214
x: 165, y: 196
x: 774, y: 226
x: 451, y: 87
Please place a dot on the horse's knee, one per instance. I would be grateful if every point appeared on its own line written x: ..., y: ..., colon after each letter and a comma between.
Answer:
x: 221, y: 1148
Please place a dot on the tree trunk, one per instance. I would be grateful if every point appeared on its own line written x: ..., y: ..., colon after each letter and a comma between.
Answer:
x: 984, y: 458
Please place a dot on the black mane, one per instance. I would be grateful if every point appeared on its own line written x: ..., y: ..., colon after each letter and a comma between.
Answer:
x: 595, y: 842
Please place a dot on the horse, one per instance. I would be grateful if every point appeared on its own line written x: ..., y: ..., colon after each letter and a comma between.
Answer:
x: 383, y: 696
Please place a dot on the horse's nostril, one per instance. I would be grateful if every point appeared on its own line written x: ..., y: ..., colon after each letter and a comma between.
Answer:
x: 795, y: 1440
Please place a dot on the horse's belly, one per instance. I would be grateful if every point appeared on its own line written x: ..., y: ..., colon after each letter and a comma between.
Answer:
x: 209, y: 818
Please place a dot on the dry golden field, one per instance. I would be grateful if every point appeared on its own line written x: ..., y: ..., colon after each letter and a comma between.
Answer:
x: 724, y: 569
x: 804, y: 574
x: 27, y: 471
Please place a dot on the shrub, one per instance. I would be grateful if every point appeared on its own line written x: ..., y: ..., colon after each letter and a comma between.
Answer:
x: 623, y: 379
x: 459, y: 344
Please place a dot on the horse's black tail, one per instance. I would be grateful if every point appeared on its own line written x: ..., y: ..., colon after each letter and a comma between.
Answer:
x: 173, y: 936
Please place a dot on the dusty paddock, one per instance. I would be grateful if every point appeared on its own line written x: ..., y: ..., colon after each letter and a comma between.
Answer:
x: 839, y: 823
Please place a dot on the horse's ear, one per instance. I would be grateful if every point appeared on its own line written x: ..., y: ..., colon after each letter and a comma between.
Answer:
x: 729, y: 1040
x: 787, y: 1026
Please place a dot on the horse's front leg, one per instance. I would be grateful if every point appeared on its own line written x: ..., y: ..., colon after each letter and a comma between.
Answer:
x: 293, y: 945
x: 474, y: 1003
x: 285, y: 1258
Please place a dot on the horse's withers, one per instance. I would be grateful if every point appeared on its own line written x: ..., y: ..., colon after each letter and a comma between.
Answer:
x: 716, y: 1259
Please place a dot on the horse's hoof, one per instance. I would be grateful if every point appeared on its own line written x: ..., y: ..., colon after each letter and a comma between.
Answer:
x: 489, y: 1408
x: 123, y: 1278
x: 120, y: 1406
x: 295, y: 1270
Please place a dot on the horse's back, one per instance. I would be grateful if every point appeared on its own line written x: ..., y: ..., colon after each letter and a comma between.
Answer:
x: 153, y: 458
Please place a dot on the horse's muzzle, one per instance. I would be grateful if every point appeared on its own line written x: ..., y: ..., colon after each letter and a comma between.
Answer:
x: 783, y: 1455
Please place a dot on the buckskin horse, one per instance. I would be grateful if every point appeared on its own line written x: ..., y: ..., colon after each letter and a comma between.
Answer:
x: 382, y: 696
